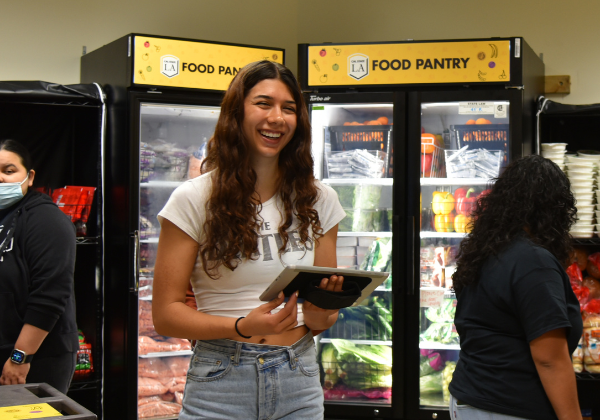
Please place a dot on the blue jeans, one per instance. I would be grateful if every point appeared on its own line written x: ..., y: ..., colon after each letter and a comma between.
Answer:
x: 234, y: 380
x: 467, y: 412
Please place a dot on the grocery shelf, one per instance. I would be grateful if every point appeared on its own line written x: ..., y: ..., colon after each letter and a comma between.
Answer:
x: 161, y: 184
x: 354, y: 181
x: 442, y: 235
x: 87, y: 240
x: 455, y: 181
x: 586, y: 241
x: 167, y: 354
x: 377, y: 342
x: 587, y: 376
x: 432, y: 345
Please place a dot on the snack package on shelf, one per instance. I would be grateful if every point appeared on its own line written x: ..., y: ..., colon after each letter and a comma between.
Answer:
x: 84, y: 363
x: 577, y: 357
x: 591, y: 341
x: 76, y: 203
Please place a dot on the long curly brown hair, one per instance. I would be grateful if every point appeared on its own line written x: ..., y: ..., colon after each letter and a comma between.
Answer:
x: 532, y: 195
x: 232, y: 211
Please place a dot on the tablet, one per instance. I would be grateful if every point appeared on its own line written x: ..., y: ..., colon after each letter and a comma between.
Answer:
x: 297, y: 277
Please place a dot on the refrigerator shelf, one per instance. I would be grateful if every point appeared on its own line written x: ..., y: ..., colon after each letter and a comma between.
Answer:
x: 354, y: 181
x: 432, y: 345
x: 149, y: 241
x: 372, y: 234
x: 442, y: 235
x: 368, y: 342
x: 161, y: 184
x: 167, y: 354
x: 454, y: 181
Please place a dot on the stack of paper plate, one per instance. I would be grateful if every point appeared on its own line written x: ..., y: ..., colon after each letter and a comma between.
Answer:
x: 555, y: 152
x: 582, y: 170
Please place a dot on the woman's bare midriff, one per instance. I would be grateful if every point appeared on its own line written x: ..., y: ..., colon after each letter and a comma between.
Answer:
x: 284, y: 339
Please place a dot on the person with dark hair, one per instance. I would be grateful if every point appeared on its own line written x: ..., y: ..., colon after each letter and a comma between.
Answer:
x: 38, y: 332
x: 517, y: 316
x: 255, y: 209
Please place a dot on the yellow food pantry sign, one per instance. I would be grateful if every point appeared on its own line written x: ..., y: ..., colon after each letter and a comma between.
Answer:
x: 29, y: 411
x: 192, y: 64
x: 409, y: 63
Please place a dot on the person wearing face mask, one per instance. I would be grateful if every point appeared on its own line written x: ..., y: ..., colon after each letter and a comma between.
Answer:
x: 38, y: 332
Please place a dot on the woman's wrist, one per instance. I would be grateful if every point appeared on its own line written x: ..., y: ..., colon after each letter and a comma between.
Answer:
x: 320, y: 321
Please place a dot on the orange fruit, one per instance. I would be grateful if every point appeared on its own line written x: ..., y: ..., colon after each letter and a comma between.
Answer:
x: 374, y: 122
x: 346, y: 123
x: 470, y: 122
x: 383, y: 120
x: 482, y: 121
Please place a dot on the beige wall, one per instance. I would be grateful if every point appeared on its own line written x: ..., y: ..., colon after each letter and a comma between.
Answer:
x: 43, y: 40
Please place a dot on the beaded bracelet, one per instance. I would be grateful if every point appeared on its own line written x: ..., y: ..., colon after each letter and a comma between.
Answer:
x: 238, y: 331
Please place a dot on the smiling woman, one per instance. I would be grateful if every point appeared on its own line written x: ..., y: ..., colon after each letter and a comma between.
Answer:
x: 255, y: 208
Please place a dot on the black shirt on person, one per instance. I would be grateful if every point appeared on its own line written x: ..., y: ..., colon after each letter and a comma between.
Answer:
x: 522, y: 293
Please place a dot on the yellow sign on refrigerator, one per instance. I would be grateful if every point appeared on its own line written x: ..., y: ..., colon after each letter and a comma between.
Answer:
x: 192, y: 64
x: 409, y: 63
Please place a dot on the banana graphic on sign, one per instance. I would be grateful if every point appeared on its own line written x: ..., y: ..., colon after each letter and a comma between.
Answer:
x: 494, y: 50
x: 480, y: 75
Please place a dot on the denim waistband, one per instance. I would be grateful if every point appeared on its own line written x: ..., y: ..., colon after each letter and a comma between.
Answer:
x: 266, y: 354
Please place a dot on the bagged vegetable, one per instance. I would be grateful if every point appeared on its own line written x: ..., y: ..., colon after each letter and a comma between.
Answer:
x: 431, y: 383
x: 441, y: 332
x: 430, y: 364
x: 444, y: 313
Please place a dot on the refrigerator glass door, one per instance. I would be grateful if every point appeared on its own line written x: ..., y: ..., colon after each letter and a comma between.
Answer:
x: 463, y: 146
x: 172, y: 145
x: 352, y: 148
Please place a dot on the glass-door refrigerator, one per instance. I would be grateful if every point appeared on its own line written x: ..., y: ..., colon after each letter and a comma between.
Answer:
x: 163, y: 101
x: 438, y: 120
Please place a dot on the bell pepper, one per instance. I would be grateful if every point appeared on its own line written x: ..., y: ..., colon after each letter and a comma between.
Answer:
x: 444, y: 222
x: 465, y: 205
x: 460, y: 192
x: 461, y: 223
x: 442, y: 202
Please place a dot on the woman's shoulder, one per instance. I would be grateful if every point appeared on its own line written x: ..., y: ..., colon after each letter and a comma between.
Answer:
x: 526, y: 253
x: 326, y: 193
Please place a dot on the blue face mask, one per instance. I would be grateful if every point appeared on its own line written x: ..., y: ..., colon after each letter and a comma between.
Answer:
x: 10, y: 193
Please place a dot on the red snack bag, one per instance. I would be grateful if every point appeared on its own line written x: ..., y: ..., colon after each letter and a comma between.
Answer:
x: 593, y: 266
x: 575, y: 274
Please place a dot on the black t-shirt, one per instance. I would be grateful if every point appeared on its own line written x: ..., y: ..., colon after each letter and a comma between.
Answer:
x: 522, y: 294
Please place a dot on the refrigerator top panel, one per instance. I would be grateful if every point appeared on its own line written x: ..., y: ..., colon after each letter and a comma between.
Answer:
x: 192, y: 64
x: 148, y: 61
x: 412, y: 63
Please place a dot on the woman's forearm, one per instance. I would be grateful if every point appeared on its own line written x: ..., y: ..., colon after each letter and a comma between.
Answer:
x: 558, y: 379
x: 179, y: 320
x: 30, y: 339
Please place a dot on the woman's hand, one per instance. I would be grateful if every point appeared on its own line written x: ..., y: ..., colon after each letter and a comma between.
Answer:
x: 318, y: 319
x: 13, y: 374
x: 262, y: 322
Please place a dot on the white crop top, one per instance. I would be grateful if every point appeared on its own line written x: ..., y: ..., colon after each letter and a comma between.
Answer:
x: 236, y: 293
